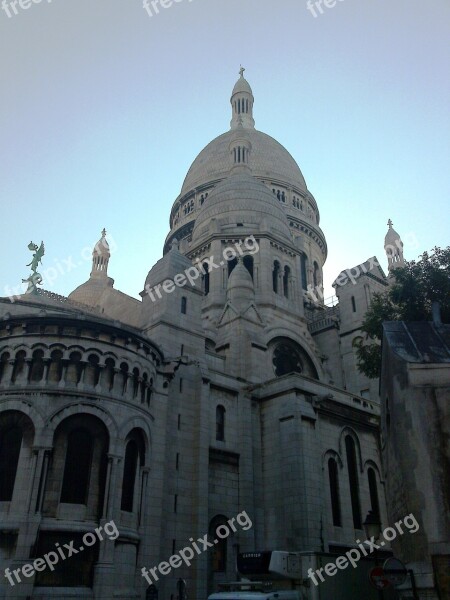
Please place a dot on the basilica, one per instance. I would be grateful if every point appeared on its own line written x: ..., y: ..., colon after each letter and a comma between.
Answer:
x: 229, y: 386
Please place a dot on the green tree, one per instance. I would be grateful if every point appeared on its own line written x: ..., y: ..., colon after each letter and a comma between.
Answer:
x: 417, y: 285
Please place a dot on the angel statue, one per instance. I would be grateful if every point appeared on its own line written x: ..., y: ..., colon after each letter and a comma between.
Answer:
x: 35, y: 278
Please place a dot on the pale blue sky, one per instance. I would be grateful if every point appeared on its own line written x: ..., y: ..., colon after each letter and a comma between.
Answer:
x: 103, y: 109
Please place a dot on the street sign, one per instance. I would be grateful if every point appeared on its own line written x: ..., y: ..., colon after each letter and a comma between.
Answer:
x: 395, y: 571
x: 378, y: 579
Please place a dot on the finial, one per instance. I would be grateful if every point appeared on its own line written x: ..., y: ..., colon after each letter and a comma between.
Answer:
x: 104, y: 233
x: 241, y: 71
x: 390, y: 223
x: 175, y: 244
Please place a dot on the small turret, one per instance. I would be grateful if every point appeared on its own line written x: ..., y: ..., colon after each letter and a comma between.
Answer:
x: 242, y: 103
x: 393, y: 246
x: 240, y: 289
x: 100, y: 258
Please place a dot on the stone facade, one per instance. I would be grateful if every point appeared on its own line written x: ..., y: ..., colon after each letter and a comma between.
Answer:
x: 415, y: 426
x: 234, y: 391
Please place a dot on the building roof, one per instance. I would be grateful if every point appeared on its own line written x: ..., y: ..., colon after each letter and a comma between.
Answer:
x: 242, y: 199
x: 270, y: 160
x: 419, y: 342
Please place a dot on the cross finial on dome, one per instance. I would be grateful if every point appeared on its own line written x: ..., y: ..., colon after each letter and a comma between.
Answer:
x: 104, y: 233
x: 390, y: 223
x: 242, y: 102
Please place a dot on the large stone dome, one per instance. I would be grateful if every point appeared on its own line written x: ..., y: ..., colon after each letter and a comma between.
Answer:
x: 269, y: 160
x: 242, y: 203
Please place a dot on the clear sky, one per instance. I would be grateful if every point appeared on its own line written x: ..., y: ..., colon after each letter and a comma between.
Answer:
x: 104, y: 108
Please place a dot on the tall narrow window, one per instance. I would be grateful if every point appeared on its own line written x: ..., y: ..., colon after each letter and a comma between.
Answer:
x: 77, y: 469
x: 275, y: 276
x: 124, y: 376
x: 37, y: 366
x: 231, y: 264
x: 135, y: 382
x: 3, y: 364
x: 129, y: 476
x: 10, y: 443
x: 334, y: 492
x: 373, y: 492
x: 248, y: 264
x: 316, y: 273
x: 109, y: 373
x: 220, y: 423
x: 92, y: 370
x: 205, y: 279
x: 286, y: 277
x: 353, y: 479
x: 183, y: 305
x: 353, y: 304
x: 56, y: 366
x: 303, y: 273
x: 75, y: 368
x: 19, y: 365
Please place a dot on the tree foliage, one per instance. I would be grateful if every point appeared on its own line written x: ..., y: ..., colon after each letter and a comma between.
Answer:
x: 416, y: 286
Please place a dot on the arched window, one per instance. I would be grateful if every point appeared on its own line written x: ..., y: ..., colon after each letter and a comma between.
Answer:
x: 333, y: 477
x: 3, y: 364
x: 205, y: 278
x: 135, y: 382
x: 286, y: 359
x: 183, y: 305
x: 37, y: 366
x: 353, y: 304
x: 303, y: 271
x: 275, y: 276
x: 353, y: 479
x: 373, y: 492
x: 92, y: 370
x: 144, y: 384
x: 19, y: 365
x: 124, y: 376
x: 75, y: 368
x: 134, y: 458
x: 220, y: 423
x: 248, y: 264
x: 286, y: 277
x: 10, y: 444
x: 77, y: 467
x: 56, y: 366
x: 109, y: 374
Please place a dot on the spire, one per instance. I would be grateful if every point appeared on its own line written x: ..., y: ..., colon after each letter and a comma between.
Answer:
x: 100, y: 258
x: 242, y: 103
x: 393, y: 247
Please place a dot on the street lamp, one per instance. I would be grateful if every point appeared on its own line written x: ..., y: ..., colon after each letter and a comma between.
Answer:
x: 372, y: 525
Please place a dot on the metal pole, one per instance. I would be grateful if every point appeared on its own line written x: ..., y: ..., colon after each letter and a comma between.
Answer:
x: 413, y: 584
